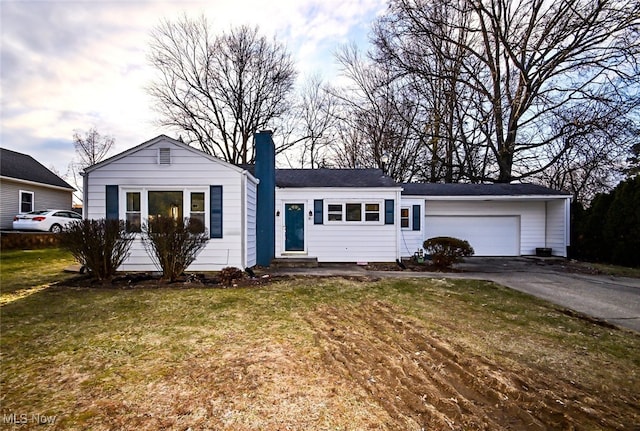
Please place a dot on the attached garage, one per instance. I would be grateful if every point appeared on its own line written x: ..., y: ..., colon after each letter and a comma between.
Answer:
x: 496, y: 219
x: 488, y: 235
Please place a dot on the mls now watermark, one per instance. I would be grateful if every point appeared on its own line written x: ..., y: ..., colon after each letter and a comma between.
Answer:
x: 31, y: 418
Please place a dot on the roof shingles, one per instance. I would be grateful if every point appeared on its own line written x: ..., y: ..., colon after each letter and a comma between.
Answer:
x: 460, y: 189
x: 296, y: 178
x: 23, y: 167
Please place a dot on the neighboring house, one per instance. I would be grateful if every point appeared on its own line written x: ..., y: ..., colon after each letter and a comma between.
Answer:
x: 257, y: 213
x: 26, y: 185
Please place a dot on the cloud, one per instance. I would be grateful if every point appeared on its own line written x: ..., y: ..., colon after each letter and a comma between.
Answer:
x: 69, y: 65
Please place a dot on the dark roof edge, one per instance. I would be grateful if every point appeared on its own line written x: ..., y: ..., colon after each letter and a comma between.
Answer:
x: 467, y: 189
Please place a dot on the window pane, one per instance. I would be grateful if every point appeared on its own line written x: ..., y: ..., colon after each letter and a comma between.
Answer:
x: 133, y: 222
x: 165, y: 204
x: 334, y: 212
x: 372, y: 212
x: 354, y: 212
x: 197, y: 202
x: 404, y: 217
x: 196, y: 222
x: 372, y: 216
x: 133, y: 201
x: 26, y: 202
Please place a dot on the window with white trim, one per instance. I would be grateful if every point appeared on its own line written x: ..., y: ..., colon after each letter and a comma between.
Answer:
x: 133, y: 212
x: 197, y: 212
x: 372, y: 212
x: 353, y: 212
x: 141, y: 205
x: 405, y: 218
x: 334, y: 212
x: 26, y: 201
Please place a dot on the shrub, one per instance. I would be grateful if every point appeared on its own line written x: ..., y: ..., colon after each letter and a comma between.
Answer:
x: 229, y: 274
x: 100, y: 245
x: 172, y: 244
x: 445, y: 251
x: 609, y: 229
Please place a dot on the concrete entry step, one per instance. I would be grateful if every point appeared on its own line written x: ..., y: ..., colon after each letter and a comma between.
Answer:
x: 295, y: 262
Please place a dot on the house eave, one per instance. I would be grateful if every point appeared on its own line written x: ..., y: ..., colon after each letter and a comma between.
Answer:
x: 35, y: 183
x: 488, y: 197
x: 341, y: 189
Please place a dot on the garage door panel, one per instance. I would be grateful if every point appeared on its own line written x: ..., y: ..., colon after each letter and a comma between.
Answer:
x: 488, y: 235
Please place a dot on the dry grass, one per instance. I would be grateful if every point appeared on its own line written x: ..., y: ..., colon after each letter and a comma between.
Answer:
x: 267, y: 358
x: 24, y: 269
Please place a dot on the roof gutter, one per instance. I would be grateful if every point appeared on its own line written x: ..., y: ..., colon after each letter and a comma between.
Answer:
x: 487, y: 197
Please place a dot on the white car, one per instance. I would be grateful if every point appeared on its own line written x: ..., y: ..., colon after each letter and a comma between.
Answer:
x: 45, y: 220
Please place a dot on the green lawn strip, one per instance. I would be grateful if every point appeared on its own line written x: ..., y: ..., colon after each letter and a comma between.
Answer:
x: 27, y: 269
x: 87, y: 354
x: 614, y: 270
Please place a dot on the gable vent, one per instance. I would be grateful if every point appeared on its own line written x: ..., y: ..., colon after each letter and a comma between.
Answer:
x: 164, y: 156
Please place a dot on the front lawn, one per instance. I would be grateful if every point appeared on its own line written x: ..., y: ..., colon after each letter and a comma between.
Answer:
x: 28, y: 269
x: 313, y: 354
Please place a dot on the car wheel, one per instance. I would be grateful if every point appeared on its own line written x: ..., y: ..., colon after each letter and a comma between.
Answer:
x: 56, y: 228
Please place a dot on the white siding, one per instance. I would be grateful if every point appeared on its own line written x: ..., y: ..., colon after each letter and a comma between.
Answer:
x: 532, y: 217
x: 251, y: 231
x: 411, y: 240
x: 140, y: 170
x: 557, y: 231
x: 345, y: 242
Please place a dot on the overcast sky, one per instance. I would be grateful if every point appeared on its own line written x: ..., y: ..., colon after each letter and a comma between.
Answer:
x: 72, y: 65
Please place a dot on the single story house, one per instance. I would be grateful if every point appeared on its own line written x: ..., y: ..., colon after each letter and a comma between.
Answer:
x: 26, y: 185
x: 257, y: 213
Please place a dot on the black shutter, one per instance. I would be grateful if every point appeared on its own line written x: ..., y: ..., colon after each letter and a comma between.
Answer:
x: 215, y: 197
x: 318, y: 215
x: 416, y: 217
x: 389, y: 210
x: 111, y: 202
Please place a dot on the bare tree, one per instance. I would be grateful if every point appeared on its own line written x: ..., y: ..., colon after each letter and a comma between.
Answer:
x: 91, y: 147
x: 375, y: 116
x: 419, y: 54
x: 219, y: 90
x: 525, y: 65
x: 317, y: 121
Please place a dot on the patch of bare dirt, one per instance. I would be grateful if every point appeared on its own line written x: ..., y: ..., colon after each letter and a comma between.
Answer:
x: 425, y: 383
x: 407, y: 265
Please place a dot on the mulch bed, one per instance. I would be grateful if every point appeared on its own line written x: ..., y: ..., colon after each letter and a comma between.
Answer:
x: 148, y: 280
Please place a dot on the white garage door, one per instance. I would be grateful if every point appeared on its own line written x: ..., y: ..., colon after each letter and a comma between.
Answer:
x: 489, y: 236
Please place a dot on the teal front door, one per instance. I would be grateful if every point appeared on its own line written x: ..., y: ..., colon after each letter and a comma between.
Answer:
x: 294, y: 227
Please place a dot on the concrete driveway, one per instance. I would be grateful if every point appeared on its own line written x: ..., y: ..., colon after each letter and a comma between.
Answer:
x: 613, y: 299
